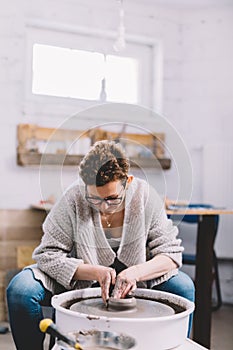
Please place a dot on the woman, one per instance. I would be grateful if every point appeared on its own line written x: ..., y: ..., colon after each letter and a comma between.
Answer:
x: 113, y: 231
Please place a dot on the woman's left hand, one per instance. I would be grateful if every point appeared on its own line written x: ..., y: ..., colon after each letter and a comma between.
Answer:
x: 125, y: 282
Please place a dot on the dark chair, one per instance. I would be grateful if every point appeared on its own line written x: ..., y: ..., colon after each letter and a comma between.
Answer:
x: 190, y: 259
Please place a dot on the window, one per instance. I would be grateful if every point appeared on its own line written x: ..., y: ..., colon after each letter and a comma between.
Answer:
x: 68, y: 67
x: 84, y: 75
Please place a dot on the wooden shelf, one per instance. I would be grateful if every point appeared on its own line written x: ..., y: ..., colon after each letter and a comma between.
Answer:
x: 30, y: 137
x: 30, y: 158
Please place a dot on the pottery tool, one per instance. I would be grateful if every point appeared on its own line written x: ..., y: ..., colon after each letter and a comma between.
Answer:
x: 47, y: 326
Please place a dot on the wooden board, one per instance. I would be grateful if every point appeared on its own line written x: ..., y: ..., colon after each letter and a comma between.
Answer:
x: 18, y: 228
x: 24, y: 256
x: 25, y: 159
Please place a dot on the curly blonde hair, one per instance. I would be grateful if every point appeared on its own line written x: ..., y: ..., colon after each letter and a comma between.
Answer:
x: 105, y: 162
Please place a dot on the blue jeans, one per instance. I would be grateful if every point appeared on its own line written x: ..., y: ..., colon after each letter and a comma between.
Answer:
x: 26, y: 295
x: 183, y: 286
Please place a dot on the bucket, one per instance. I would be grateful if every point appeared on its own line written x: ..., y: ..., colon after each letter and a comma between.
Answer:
x: 167, y: 332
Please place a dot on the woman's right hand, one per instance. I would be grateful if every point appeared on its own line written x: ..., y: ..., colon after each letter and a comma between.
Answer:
x: 105, y: 276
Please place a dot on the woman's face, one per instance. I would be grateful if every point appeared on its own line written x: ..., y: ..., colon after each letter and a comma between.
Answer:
x: 107, y: 198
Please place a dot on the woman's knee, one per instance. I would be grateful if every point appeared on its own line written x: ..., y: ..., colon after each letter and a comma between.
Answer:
x: 23, y: 286
x: 187, y: 286
x: 180, y: 284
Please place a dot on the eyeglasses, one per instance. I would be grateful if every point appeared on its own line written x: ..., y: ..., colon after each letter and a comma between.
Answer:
x: 110, y: 201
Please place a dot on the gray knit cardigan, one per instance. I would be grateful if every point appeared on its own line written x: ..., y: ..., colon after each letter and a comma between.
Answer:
x: 73, y: 234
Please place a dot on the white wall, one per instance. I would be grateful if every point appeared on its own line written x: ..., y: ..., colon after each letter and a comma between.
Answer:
x: 20, y: 186
x: 207, y: 101
x: 206, y: 105
x: 209, y: 94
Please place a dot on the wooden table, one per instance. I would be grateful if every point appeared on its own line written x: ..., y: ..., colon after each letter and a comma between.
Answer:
x: 203, y: 271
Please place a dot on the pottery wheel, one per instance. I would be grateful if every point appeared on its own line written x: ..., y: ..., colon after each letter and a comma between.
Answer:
x: 144, y: 309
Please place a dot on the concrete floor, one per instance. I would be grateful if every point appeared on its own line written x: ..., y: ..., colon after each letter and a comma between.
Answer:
x: 221, y: 337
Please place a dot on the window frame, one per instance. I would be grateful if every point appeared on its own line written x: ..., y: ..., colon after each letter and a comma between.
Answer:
x: 66, y: 36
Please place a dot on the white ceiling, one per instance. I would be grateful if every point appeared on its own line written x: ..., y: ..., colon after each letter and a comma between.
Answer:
x: 186, y: 3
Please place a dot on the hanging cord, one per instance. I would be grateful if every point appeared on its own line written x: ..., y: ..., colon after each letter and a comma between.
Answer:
x: 119, y: 45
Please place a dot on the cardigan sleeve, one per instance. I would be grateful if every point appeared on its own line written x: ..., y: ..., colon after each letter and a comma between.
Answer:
x: 53, y: 253
x: 162, y: 233
x: 162, y: 239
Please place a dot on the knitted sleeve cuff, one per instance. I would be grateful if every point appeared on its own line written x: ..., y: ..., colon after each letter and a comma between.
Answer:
x: 66, y: 273
x: 176, y: 257
x: 156, y: 281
